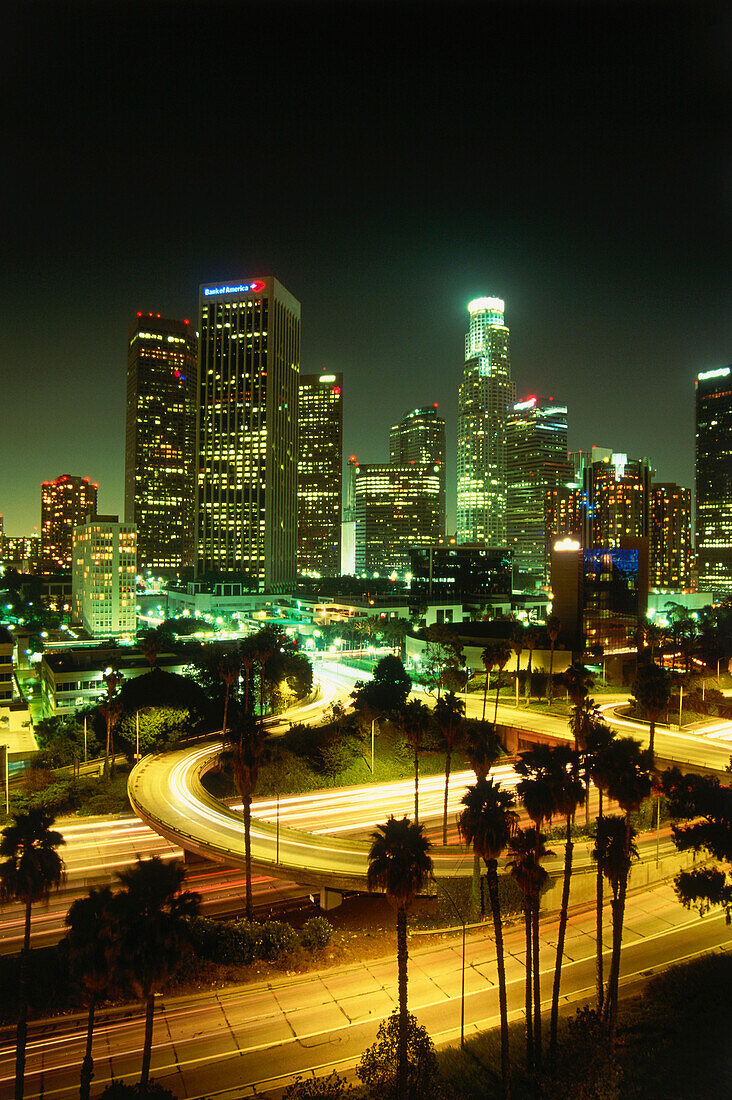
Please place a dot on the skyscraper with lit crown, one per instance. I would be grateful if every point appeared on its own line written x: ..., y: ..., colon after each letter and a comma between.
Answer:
x: 249, y: 363
x: 319, y: 467
x: 485, y: 394
x: 418, y: 439
x: 714, y: 479
x: 65, y: 502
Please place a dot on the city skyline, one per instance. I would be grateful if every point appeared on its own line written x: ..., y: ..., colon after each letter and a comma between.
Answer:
x: 598, y: 210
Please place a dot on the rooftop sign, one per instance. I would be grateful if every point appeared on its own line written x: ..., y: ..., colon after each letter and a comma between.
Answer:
x: 242, y: 288
x: 721, y: 373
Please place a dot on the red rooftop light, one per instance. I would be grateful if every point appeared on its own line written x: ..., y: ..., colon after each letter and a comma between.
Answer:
x: 139, y: 313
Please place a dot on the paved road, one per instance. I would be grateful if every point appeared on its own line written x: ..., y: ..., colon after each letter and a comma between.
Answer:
x: 228, y: 1043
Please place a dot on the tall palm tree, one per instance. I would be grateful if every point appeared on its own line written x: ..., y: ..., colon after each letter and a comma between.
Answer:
x: 91, y: 942
x: 598, y: 738
x: 483, y: 749
x: 527, y: 847
x: 531, y: 640
x: 502, y: 655
x: 613, y: 863
x: 624, y: 775
x: 486, y: 822
x: 553, y: 627
x: 569, y: 793
x: 150, y: 915
x: 488, y: 657
x: 517, y: 644
x: 413, y: 721
x: 31, y: 869
x: 449, y: 712
x: 229, y: 672
x: 246, y: 743
x: 578, y: 680
x: 111, y: 709
x: 247, y: 664
x: 262, y: 655
x: 400, y: 865
x: 652, y: 690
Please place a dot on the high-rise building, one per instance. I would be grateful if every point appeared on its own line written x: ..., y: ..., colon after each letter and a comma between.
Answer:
x: 160, y: 484
x: 486, y: 392
x: 65, y: 502
x: 670, y: 537
x: 320, y: 474
x: 419, y: 439
x: 395, y: 508
x: 536, y: 460
x: 714, y: 479
x: 618, y: 500
x: 103, y: 577
x: 249, y: 362
x: 21, y: 552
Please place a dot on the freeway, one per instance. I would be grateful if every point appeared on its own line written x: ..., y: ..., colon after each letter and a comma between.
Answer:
x: 249, y: 1040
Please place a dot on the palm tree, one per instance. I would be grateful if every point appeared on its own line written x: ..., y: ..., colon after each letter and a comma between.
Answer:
x: 31, y: 869
x: 414, y: 720
x: 613, y: 863
x: 246, y: 744
x: 578, y: 680
x: 111, y: 708
x: 624, y: 775
x: 652, y: 690
x: 262, y: 655
x: 487, y: 822
x: 483, y: 749
x: 528, y: 848
x: 229, y: 672
x: 90, y: 939
x: 488, y: 657
x: 531, y: 640
x: 553, y: 626
x: 517, y: 643
x: 598, y: 738
x: 400, y: 865
x: 501, y: 656
x: 569, y: 793
x: 449, y: 712
x: 151, y: 647
x: 151, y: 914
x: 247, y: 663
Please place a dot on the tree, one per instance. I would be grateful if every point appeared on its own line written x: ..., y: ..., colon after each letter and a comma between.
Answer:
x: 377, y: 1067
x: 613, y: 852
x: 624, y: 775
x: 111, y: 710
x: 150, y: 914
x: 443, y: 649
x: 598, y: 737
x: 391, y: 685
x: 517, y: 644
x: 696, y: 796
x: 90, y: 939
x: 501, y: 656
x: 229, y: 672
x: 527, y: 847
x: 488, y: 657
x: 553, y: 627
x: 531, y: 640
x: 414, y: 721
x: 400, y: 865
x: 31, y: 869
x: 483, y: 749
x: 246, y: 744
x: 486, y: 823
x: 578, y: 680
x: 651, y: 691
x: 449, y: 713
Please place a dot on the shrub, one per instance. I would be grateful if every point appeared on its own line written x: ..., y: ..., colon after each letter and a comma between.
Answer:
x: 278, y: 940
x: 316, y: 934
x: 331, y: 1087
x: 378, y: 1067
x: 118, y: 1090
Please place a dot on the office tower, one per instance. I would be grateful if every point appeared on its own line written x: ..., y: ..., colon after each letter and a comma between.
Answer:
x: 65, y: 502
x: 419, y: 439
x: 103, y: 577
x: 714, y: 479
x: 21, y: 552
x: 618, y: 500
x: 249, y: 362
x: 160, y: 484
x: 485, y: 394
x: 536, y: 460
x: 670, y: 536
x: 395, y: 508
x: 447, y: 571
x: 320, y: 474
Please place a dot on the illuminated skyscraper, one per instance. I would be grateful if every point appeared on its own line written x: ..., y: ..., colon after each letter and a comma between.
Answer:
x: 714, y: 479
x: 485, y: 394
x: 65, y: 502
x: 103, y: 577
x: 395, y: 508
x: 160, y: 484
x: 536, y: 460
x: 419, y: 439
x: 249, y: 362
x: 670, y: 536
x: 618, y: 494
x: 320, y: 474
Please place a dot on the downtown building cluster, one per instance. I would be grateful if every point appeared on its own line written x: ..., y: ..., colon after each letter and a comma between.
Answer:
x: 234, y: 470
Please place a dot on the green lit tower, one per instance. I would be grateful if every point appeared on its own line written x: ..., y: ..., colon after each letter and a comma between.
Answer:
x: 418, y: 439
x: 714, y: 479
x: 486, y: 392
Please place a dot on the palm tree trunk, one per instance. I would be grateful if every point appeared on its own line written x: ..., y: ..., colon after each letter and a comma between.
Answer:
x: 537, y: 988
x: 147, y: 1049
x: 652, y: 735
x: 492, y: 875
x: 448, y: 763
x: 599, y: 977
x: 87, y: 1065
x: 249, y: 907
x: 416, y: 785
x: 485, y: 691
x: 528, y: 680
x: 226, y: 708
x: 22, y: 1029
x: 402, y: 957
x: 561, y: 935
x: 550, y: 685
x: 527, y: 992
x: 611, y: 1005
x: 498, y: 691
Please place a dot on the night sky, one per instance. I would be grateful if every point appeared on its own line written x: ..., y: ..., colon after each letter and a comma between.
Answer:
x: 387, y: 162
